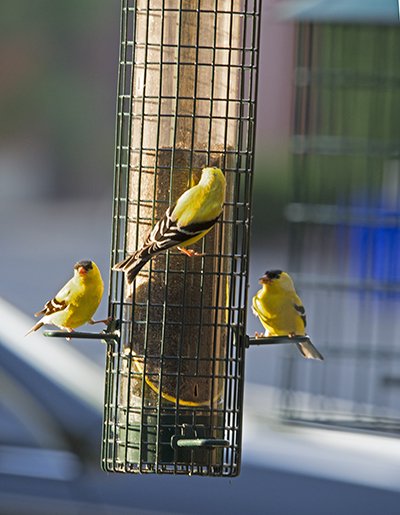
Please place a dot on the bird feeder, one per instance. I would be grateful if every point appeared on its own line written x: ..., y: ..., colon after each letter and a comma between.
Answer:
x: 186, y: 100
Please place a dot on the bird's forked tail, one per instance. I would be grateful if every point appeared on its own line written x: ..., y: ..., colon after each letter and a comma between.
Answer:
x: 131, y: 266
x: 35, y: 328
x: 309, y: 351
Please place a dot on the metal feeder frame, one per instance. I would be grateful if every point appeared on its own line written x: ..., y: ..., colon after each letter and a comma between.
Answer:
x: 186, y: 100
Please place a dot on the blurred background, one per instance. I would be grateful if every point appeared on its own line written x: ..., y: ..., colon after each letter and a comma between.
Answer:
x: 326, y: 208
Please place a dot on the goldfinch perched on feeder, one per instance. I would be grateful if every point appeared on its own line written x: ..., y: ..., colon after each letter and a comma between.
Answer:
x: 76, y: 302
x: 281, y: 311
x: 186, y: 222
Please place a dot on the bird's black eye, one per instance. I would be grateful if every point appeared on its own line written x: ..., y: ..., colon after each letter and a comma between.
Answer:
x: 273, y: 274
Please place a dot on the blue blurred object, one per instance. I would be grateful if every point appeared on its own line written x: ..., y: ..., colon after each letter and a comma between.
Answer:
x: 374, y: 243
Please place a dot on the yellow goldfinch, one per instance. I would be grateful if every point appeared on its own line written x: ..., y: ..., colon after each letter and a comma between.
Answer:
x: 76, y: 302
x: 186, y: 222
x: 281, y: 311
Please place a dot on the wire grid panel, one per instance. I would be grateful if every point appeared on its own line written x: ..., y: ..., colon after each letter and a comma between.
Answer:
x: 186, y: 100
x: 345, y: 220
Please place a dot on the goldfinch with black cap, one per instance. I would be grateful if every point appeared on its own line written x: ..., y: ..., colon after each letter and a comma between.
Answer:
x: 281, y: 310
x: 76, y: 302
x: 190, y: 219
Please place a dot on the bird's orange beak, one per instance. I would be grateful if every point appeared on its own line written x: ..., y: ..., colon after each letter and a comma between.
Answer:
x: 264, y: 280
x: 82, y: 270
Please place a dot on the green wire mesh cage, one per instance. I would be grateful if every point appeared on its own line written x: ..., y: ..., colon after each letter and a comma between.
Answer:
x: 345, y: 225
x: 186, y: 100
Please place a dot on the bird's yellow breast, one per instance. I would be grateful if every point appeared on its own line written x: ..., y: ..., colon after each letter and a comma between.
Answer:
x: 84, y: 299
x: 201, y: 203
x: 277, y: 313
x: 84, y: 306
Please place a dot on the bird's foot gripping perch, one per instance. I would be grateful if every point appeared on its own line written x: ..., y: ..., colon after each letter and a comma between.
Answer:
x: 106, y: 321
x: 190, y: 252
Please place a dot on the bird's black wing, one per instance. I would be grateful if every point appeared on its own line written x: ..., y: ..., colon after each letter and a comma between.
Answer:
x: 302, y: 312
x: 164, y: 235
x: 52, y: 306
x: 167, y: 233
